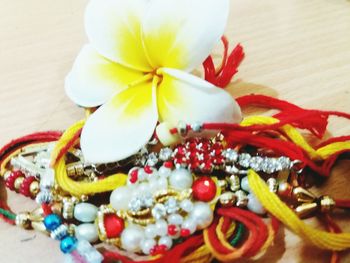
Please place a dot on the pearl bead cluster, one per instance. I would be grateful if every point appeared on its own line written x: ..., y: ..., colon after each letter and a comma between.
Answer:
x: 163, y: 196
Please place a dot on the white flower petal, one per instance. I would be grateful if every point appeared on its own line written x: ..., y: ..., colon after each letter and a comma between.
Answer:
x: 122, y: 126
x: 181, y: 34
x: 94, y: 79
x: 114, y: 29
x: 185, y: 97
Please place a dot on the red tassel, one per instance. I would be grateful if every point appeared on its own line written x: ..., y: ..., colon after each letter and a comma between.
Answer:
x: 229, y: 66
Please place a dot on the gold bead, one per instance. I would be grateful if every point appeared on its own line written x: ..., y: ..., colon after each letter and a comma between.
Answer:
x: 284, y: 189
x: 326, y: 204
x: 71, y: 229
x: 302, y: 195
x: 68, y: 207
x: 75, y: 170
x: 222, y: 184
x: 57, y: 208
x: 227, y: 199
x: 234, y: 182
x: 34, y: 188
x: 39, y: 226
x: 18, y: 183
x: 84, y: 198
x: 306, y: 209
x: 23, y: 220
x: 242, y: 199
x: 273, y: 185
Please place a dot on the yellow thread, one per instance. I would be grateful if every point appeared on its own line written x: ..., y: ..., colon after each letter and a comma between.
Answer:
x: 296, y: 137
x: 80, y: 188
x: 66, y: 137
x: 203, y: 254
x: 86, y: 188
x: 332, y: 148
x: 272, y: 203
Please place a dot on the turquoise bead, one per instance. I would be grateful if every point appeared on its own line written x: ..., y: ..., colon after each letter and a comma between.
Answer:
x: 68, y: 244
x: 52, y: 221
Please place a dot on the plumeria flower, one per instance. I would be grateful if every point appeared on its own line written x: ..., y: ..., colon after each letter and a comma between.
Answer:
x: 137, y: 66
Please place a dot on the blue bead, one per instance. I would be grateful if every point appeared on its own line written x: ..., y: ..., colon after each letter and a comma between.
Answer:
x: 68, y: 244
x: 52, y: 221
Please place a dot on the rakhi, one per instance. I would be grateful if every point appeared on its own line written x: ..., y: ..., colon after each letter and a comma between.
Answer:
x: 164, y: 168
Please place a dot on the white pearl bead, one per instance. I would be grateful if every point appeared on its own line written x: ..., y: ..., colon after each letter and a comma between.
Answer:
x: 87, y: 232
x: 186, y: 205
x: 142, y: 175
x: 181, y: 179
x: 162, y: 227
x: 143, y: 189
x: 120, y: 198
x: 164, y: 172
x: 189, y: 224
x: 162, y: 184
x: 151, y: 231
x: 254, y: 205
x: 165, y: 136
x: 245, y: 184
x: 167, y: 241
x: 202, y: 214
x: 131, y: 238
x: 147, y: 245
x: 153, y: 186
x: 85, y: 212
x: 175, y: 219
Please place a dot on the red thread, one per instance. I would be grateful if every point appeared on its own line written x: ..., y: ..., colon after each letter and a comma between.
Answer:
x: 228, y: 68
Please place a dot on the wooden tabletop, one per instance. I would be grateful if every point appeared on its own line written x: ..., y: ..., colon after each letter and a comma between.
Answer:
x: 296, y: 50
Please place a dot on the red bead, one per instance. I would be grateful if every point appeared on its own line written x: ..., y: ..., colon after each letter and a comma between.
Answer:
x: 172, y: 230
x: 25, y: 186
x: 185, y: 232
x: 181, y: 150
x: 204, y: 189
x: 134, y: 176
x: 10, y: 182
x: 158, y: 249
x: 168, y: 164
x: 114, y: 225
x: 148, y: 169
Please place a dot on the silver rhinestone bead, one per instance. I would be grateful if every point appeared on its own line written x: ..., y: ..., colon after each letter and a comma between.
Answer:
x: 231, y: 169
x: 285, y: 162
x: 244, y: 160
x: 152, y: 159
x: 159, y: 211
x: 165, y: 154
x: 268, y: 166
x: 230, y: 155
x: 196, y: 127
x: 171, y: 206
x: 255, y: 163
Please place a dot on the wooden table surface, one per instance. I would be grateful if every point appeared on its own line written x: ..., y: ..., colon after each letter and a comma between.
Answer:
x: 296, y: 50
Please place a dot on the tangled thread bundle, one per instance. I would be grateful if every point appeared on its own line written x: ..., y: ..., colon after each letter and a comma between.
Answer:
x: 234, y: 233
